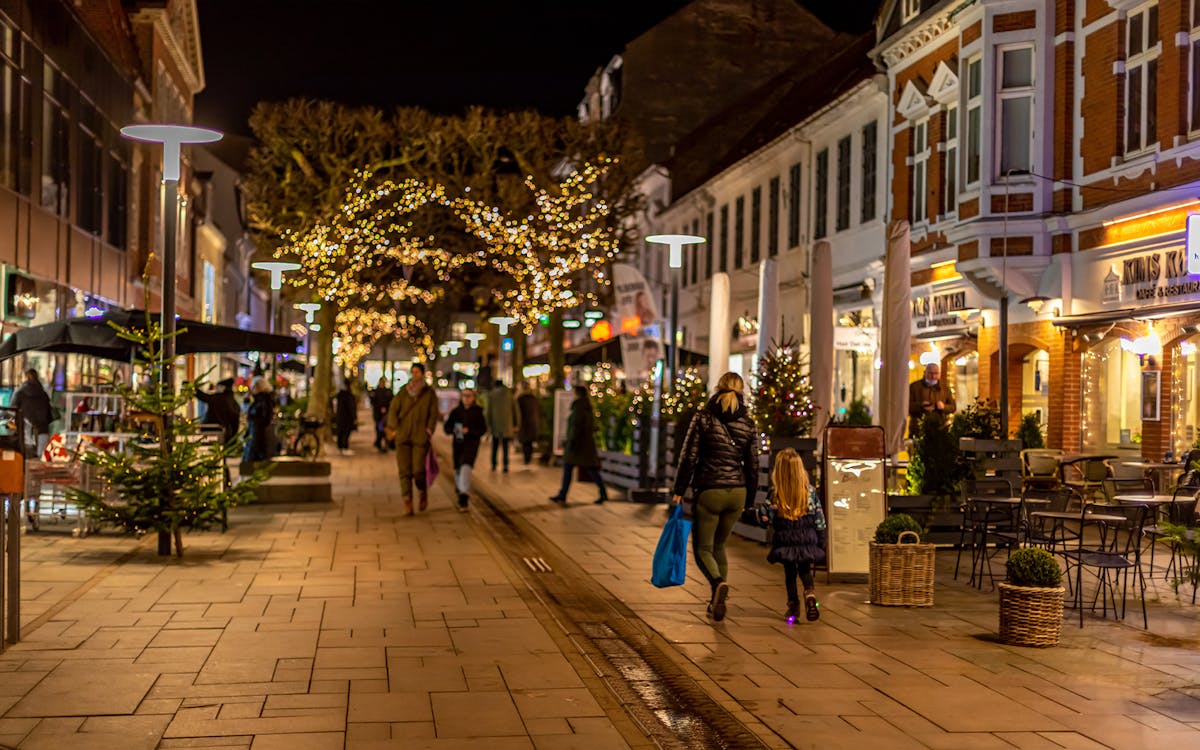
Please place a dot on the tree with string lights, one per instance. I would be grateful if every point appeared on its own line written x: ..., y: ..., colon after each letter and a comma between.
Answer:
x: 782, y: 405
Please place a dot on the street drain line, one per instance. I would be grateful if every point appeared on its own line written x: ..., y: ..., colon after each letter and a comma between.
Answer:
x: 670, y: 707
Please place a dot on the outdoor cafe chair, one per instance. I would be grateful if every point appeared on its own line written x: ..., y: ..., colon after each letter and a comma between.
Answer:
x: 987, y: 510
x: 1113, y: 487
x: 1113, y: 555
x: 1041, y: 468
x: 1183, y: 510
x: 1086, y: 474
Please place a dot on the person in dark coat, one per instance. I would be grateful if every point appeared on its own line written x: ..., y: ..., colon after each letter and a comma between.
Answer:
x: 468, y: 425
x: 381, y: 398
x: 260, y: 412
x: 580, y: 451
x: 798, y: 541
x: 530, y: 414
x: 719, y: 462
x: 34, y: 403
x: 222, y: 409
x: 345, y: 416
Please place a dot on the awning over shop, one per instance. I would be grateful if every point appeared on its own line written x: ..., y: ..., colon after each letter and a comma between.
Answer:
x: 1126, y: 313
x: 595, y: 352
x: 95, y: 337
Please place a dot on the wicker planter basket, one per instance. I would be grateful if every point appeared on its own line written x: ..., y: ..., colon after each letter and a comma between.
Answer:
x: 902, y: 573
x: 1030, y: 616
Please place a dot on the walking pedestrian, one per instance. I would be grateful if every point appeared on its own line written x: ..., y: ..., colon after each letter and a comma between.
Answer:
x: 411, y: 419
x: 467, y: 424
x: 381, y: 398
x: 259, y: 413
x: 502, y: 421
x: 799, y: 525
x: 33, y: 402
x: 345, y: 417
x: 580, y: 451
x: 719, y: 462
x: 529, y: 413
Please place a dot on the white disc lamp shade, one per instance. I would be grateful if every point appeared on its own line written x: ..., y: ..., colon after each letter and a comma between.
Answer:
x: 172, y: 137
x: 503, y: 322
x: 475, y: 338
x: 276, y: 268
x: 676, y: 243
x: 309, y: 309
x: 453, y: 346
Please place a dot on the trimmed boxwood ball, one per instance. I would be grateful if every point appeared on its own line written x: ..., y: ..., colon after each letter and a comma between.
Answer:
x: 888, y: 532
x: 1034, y: 568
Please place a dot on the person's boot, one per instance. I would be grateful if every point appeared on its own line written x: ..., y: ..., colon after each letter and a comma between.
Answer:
x: 793, y: 611
x: 408, y: 508
x: 424, y: 499
x: 812, y: 608
x: 463, y: 499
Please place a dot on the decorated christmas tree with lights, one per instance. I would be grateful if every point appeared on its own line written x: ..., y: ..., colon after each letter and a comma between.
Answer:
x: 147, y: 490
x: 783, y: 405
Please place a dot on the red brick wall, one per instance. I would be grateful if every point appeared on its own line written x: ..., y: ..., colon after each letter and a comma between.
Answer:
x: 1002, y: 22
x: 1016, y: 202
x: 968, y: 250
x: 968, y: 209
x: 1014, y: 246
x: 972, y: 32
x: 1103, y: 101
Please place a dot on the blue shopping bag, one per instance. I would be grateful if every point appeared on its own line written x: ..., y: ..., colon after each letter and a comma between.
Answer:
x: 670, y: 557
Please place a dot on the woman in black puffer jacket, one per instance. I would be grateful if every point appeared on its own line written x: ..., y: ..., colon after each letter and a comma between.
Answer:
x: 719, y: 462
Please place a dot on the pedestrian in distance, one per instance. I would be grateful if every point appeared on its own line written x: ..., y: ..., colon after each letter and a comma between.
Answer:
x: 798, y: 541
x: 411, y: 419
x: 719, y: 463
x: 381, y: 398
x: 260, y: 410
x: 467, y: 424
x: 345, y: 416
x: 580, y: 450
x: 221, y: 408
x: 33, y: 402
x: 502, y: 421
x: 529, y: 413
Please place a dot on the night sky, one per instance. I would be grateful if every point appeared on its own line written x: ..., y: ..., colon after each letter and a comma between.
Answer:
x: 439, y: 54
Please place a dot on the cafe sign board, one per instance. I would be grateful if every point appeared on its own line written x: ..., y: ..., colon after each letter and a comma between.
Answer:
x: 1153, y: 278
x: 934, y: 311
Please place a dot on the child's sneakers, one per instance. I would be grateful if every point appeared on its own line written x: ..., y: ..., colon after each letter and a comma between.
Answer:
x: 811, y: 606
x: 793, y: 612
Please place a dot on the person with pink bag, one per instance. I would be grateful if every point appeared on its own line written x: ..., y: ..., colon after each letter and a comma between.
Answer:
x: 412, y: 416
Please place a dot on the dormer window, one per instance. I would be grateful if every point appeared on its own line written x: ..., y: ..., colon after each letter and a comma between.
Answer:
x: 911, y: 9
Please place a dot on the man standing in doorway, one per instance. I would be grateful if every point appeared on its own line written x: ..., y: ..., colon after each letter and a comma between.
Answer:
x: 411, y: 419
x: 929, y: 395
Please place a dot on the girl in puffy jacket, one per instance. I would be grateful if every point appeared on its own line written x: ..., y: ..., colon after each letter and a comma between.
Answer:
x: 799, y: 538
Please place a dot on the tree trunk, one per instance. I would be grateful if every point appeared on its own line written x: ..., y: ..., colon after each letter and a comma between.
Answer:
x: 557, y: 358
x: 318, y: 400
x: 518, y: 356
x: 178, y: 542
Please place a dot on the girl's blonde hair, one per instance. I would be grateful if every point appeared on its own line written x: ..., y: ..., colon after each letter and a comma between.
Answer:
x: 729, y: 387
x: 790, y: 485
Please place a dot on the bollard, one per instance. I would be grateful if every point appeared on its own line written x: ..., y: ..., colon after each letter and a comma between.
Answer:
x: 10, y: 569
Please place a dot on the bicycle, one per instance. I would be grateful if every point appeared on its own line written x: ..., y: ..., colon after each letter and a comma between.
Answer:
x: 306, y: 443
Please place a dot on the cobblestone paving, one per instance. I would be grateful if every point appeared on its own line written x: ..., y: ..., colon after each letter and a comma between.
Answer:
x: 349, y: 625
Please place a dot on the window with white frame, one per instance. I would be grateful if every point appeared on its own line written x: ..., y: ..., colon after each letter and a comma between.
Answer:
x: 1015, y: 105
x: 974, y: 120
x: 1194, y: 45
x: 1142, y: 48
x: 950, y: 173
x: 843, y: 184
x: 912, y: 9
x: 920, y: 169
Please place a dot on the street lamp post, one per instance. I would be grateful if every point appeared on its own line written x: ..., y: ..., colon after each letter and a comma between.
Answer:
x: 172, y: 138
x: 676, y: 243
x: 276, y: 268
x: 310, y: 312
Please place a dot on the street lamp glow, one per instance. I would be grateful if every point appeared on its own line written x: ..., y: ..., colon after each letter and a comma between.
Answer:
x: 503, y: 322
x: 453, y: 346
x: 676, y: 243
x: 309, y: 309
x: 276, y: 268
x: 475, y: 338
x: 172, y: 137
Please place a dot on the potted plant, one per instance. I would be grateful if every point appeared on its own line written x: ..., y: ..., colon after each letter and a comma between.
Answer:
x: 1031, y: 599
x: 901, y: 566
x: 1030, y: 432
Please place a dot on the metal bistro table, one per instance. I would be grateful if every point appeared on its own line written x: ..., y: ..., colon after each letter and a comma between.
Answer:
x: 1159, y: 472
x: 996, y: 516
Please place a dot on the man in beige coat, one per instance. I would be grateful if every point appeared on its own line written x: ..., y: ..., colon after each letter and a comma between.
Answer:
x: 411, y: 419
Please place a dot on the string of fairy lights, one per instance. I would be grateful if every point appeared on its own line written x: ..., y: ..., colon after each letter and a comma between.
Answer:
x: 352, y: 259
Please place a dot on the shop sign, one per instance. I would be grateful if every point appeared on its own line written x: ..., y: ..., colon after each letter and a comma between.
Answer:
x: 1158, y: 276
x: 861, y: 339
x: 931, y: 312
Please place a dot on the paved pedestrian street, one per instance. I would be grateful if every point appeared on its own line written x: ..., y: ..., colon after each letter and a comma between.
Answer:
x: 350, y: 625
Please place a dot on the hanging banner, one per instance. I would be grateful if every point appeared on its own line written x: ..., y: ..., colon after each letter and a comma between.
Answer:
x: 637, y: 310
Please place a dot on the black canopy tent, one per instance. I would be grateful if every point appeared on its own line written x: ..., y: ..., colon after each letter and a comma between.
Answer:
x: 96, y: 337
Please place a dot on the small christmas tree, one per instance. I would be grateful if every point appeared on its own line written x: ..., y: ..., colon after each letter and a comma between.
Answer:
x: 688, y: 395
x: 783, y: 404
x: 149, y: 489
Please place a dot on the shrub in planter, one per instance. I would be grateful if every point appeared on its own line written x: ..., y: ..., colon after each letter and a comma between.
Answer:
x: 901, y: 567
x: 1030, y: 432
x: 1031, y: 600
